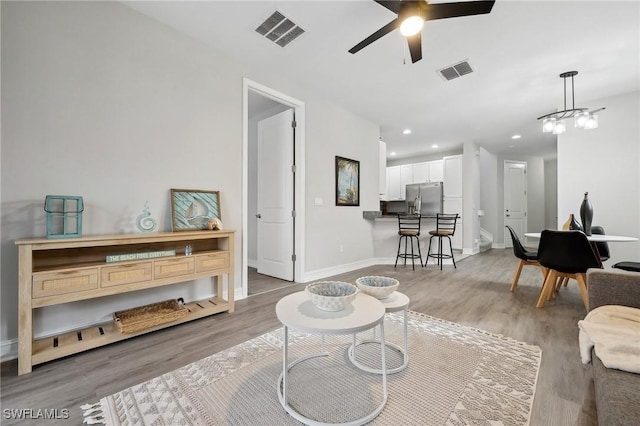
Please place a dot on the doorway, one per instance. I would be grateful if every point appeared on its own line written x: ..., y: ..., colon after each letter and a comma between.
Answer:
x: 515, y: 199
x: 273, y: 197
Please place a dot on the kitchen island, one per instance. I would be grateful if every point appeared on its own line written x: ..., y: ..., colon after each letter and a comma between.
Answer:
x: 385, y: 235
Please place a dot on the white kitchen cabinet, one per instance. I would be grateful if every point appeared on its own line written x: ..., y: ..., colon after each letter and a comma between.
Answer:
x: 421, y: 172
x: 406, y: 178
x: 452, y: 176
x: 395, y: 191
x: 436, y: 171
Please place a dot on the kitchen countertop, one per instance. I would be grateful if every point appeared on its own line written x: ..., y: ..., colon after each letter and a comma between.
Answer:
x: 373, y: 214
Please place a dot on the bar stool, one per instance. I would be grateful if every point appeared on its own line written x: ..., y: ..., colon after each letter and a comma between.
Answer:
x: 408, y: 229
x: 445, y: 228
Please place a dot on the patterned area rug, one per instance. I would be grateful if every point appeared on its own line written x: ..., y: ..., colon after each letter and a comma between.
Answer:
x: 456, y: 375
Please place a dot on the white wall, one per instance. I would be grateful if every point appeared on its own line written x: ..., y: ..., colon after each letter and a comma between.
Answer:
x: 488, y: 192
x: 604, y: 162
x: 103, y: 102
x: 471, y: 198
x: 551, y: 194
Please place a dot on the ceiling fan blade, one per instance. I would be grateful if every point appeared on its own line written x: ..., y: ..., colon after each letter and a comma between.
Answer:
x: 415, y: 47
x: 453, y: 10
x: 392, y: 5
x: 375, y: 36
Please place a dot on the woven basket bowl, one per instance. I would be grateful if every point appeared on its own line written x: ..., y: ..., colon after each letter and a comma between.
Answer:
x: 331, y: 295
x: 378, y: 287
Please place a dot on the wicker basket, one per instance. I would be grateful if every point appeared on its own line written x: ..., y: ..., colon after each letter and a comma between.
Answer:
x: 142, y: 317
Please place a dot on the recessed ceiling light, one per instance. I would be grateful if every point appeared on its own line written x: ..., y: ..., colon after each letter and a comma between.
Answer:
x: 406, y: 132
x: 391, y: 154
x: 516, y: 137
x: 511, y: 146
x: 434, y: 145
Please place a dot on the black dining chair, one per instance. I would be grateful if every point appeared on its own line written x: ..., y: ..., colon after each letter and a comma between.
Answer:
x: 566, y: 254
x: 409, y: 229
x: 445, y: 228
x: 526, y: 257
x: 602, y: 246
x: 628, y: 266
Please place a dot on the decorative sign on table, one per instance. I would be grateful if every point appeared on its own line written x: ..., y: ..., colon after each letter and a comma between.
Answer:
x: 140, y: 256
x: 192, y: 209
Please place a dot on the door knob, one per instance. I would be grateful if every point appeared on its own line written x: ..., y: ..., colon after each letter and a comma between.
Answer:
x: 259, y: 216
x: 508, y: 216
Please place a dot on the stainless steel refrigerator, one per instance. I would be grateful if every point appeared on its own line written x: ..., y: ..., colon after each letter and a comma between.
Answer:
x: 424, y: 198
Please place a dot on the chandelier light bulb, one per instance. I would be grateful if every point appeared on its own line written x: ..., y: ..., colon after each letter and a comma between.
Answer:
x: 581, y: 119
x: 592, y: 122
x: 411, y: 26
x: 560, y: 128
x: 548, y: 125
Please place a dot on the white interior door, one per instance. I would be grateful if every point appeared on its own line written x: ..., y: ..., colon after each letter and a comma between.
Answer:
x: 275, y: 199
x: 515, y: 199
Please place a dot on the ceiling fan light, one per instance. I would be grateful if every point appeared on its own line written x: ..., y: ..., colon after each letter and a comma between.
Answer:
x: 560, y: 127
x: 548, y: 125
x: 411, y: 26
x: 592, y: 122
x: 581, y: 119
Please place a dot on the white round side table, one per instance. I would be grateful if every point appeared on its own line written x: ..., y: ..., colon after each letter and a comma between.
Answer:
x: 395, y: 302
x: 297, y: 312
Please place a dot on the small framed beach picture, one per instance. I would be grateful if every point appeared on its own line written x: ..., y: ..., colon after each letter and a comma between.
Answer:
x: 347, y: 182
x: 191, y: 209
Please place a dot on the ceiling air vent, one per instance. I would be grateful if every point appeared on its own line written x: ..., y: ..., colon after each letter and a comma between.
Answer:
x: 279, y: 29
x: 455, y: 71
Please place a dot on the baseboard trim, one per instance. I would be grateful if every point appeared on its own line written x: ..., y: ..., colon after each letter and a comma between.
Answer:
x: 497, y: 246
x: 335, y: 270
x: 8, y: 350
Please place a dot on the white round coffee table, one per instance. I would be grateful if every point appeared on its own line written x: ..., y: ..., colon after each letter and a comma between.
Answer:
x: 296, y: 311
x: 395, y: 302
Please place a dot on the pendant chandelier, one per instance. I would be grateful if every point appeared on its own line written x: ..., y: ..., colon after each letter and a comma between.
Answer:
x: 583, y: 118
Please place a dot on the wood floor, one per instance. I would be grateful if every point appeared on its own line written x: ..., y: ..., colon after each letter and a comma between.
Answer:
x: 259, y: 283
x: 476, y: 294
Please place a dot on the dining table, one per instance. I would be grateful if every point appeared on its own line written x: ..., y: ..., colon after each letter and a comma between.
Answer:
x: 593, y: 239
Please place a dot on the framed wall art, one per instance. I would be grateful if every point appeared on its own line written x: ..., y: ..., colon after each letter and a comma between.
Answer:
x: 347, y: 182
x: 191, y: 209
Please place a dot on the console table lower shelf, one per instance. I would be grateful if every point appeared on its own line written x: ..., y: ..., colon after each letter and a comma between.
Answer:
x: 53, y: 347
x: 56, y: 272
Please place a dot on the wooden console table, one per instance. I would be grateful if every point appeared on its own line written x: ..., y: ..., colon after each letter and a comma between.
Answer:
x: 57, y: 271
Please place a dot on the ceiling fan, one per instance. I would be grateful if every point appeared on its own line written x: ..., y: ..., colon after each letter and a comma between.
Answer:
x: 411, y: 17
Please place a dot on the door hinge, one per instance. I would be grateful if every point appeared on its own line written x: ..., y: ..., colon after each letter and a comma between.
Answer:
x: 293, y: 257
x: 293, y: 213
x: 294, y: 123
x: 293, y: 168
x: 525, y: 214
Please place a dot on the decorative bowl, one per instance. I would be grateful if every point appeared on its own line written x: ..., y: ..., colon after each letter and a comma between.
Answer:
x: 378, y: 287
x: 331, y: 295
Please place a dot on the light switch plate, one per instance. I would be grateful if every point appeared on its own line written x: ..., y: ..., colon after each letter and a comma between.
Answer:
x: 318, y: 201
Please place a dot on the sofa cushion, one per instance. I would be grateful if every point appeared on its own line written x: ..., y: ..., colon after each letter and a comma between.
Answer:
x: 616, y: 395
